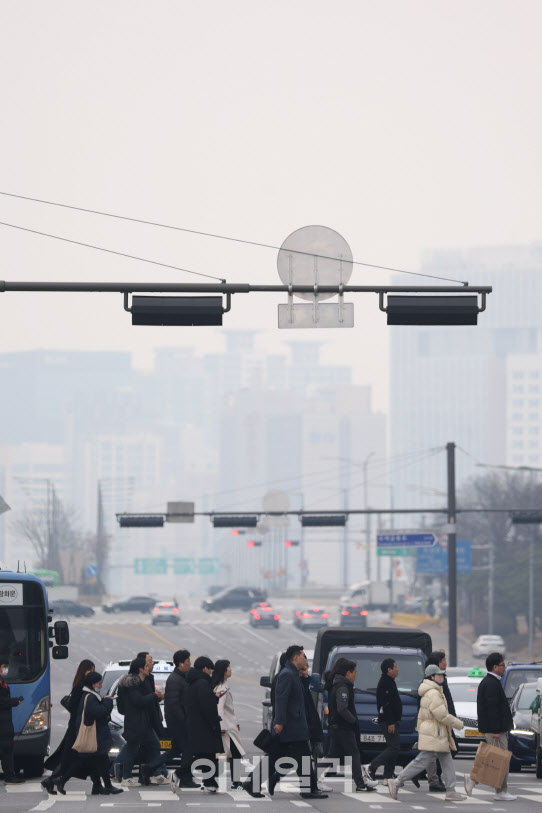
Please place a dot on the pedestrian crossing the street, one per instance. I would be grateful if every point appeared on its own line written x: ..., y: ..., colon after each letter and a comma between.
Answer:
x: 26, y: 798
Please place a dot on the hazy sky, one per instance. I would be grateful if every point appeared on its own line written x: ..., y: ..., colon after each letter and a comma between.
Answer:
x: 403, y: 124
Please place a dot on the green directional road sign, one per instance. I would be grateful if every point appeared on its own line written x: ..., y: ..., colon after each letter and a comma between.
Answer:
x: 207, y: 566
x: 397, y: 551
x: 150, y: 567
x: 184, y: 566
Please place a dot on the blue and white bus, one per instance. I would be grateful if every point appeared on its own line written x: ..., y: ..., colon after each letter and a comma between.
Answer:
x: 24, y: 639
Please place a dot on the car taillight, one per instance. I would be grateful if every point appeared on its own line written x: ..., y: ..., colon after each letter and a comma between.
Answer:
x: 354, y: 606
x: 257, y: 616
x: 307, y: 615
x: 156, y: 610
x: 298, y: 612
x: 325, y: 615
x: 315, y: 610
x: 175, y: 610
x: 326, y: 710
x: 276, y: 617
x: 345, y: 612
x: 364, y: 612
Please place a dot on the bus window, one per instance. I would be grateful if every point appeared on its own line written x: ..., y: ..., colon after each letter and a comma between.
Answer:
x: 23, y: 636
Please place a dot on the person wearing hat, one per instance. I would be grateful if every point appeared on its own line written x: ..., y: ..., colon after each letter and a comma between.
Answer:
x: 435, y: 724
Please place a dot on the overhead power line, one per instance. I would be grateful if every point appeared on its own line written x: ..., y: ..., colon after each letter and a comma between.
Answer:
x: 109, y: 251
x: 215, y: 236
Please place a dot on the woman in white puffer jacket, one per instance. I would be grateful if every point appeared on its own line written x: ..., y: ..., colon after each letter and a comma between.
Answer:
x: 435, y: 739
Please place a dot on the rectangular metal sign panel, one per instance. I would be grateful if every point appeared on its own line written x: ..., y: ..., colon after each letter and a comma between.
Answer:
x: 180, y: 508
x: 207, y: 566
x: 397, y: 551
x: 150, y: 567
x: 324, y: 315
x: 435, y: 560
x: 406, y: 539
x: 184, y: 566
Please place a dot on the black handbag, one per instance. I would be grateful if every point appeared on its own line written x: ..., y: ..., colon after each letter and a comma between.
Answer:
x: 264, y: 740
x: 65, y: 701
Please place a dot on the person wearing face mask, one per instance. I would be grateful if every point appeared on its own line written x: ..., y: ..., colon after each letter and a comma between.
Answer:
x: 435, y: 739
x: 7, y: 702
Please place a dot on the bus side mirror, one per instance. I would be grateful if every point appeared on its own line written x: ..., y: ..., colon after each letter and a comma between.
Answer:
x: 60, y: 653
x: 62, y: 634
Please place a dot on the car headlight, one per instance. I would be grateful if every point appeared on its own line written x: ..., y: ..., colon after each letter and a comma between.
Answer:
x: 39, y: 720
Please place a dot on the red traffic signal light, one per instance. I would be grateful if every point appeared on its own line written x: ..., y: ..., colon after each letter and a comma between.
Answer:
x: 254, y: 543
x: 250, y: 543
x: 288, y: 543
x: 235, y: 532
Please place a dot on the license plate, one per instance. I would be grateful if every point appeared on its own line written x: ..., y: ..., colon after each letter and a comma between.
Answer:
x: 472, y: 732
x: 372, y: 738
x: 165, y: 744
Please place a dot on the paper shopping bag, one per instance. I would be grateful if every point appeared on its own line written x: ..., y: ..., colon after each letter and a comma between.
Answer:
x: 490, y: 765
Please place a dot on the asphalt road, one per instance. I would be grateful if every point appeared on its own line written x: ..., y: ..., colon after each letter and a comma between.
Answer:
x: 106, y: 638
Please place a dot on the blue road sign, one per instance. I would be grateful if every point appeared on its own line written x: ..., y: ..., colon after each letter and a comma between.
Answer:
x: 435, y: 560
x: 92, y: 570
x: 406, y: 539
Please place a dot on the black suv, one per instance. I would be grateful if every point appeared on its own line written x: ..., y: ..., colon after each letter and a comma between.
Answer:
x: 142, y: 604
x: 234, y: 598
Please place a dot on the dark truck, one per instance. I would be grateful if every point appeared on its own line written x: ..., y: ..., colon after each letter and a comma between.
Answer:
x: 368, y: 647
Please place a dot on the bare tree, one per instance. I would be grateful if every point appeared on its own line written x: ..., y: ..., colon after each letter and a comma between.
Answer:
x: 519, y: 490
x: 50, y: 528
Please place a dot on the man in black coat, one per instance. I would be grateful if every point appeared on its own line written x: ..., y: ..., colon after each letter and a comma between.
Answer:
x: 343, y: 721
x: 7, y: 733
x: 390, y: 711
x: 494, y: 718
x: 290, y: 722
x: 176, y: 718
x: 203, y: 719
x: 138, y: 707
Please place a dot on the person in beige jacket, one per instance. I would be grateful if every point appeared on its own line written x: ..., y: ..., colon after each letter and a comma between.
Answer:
x: 435, y: 739
x: 229, y: 726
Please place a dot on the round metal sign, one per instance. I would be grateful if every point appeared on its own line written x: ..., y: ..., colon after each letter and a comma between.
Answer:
x: 314, y: 255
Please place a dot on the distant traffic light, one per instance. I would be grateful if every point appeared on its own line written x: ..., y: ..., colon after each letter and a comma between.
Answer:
x: 141, y: 521
x: 222, y: 521
x: 254, y: 543
x: 291, y: 543
x: 321, y: 521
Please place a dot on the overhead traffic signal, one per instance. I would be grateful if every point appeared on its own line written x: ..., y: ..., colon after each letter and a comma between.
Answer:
x: 226, y: 521
x: 141, y: 521
x: 323, y: 521
x: 254, y: 543
x: 291, y: 543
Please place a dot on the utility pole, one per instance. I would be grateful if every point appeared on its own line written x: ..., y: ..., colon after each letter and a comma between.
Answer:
x: 345, y: 542
x: 367, y: 518
x: 452, y: 560
x: 534, y: 531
